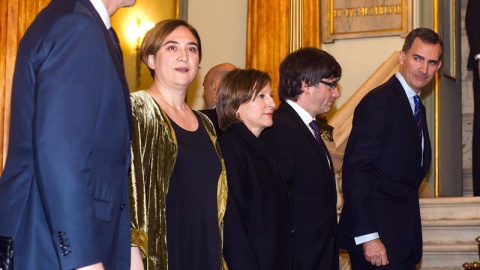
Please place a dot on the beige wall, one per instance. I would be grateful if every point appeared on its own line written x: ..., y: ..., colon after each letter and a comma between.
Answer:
x: 222, y: 26
x: 359, y: 58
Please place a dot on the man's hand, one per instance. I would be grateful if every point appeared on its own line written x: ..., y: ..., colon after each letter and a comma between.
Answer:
x: 375, y: 252
x: 97, y: 266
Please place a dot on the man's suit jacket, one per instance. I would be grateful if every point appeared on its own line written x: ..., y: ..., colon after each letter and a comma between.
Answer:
x: 310, y: 182
x: 212, y: 115
x: 256, y: 228
x: 472, y: 22
x: 382, y: 171
x: 64, y: 192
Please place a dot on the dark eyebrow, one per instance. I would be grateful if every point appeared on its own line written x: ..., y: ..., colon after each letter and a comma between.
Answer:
x: 419, y: 56
x: 170, y: 42
x: 176, y: 43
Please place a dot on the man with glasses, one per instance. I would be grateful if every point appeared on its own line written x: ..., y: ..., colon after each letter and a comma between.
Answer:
x: 387, y: 156
x: 308, y: 88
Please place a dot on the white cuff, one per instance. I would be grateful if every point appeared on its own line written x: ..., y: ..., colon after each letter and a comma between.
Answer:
x: 476, y: 57
x: 365, y: 238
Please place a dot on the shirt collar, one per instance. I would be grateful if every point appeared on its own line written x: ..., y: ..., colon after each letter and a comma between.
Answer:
x: 304, y: 115
x: 102, y: 11
x: 408, y: 90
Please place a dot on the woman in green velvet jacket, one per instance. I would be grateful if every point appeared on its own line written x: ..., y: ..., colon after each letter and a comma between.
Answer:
x: 174, y: 152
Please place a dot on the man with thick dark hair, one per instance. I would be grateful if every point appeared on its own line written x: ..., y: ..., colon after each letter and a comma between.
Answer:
x: 387, y: 156
x: 308, y: 88
x: 472, y: 23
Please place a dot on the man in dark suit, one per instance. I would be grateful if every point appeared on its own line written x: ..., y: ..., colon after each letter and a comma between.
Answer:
x: 64, y: 192
x: 210, y: 86
x: 472, y: 25
x: 308, y: 79
x: 387, y: 156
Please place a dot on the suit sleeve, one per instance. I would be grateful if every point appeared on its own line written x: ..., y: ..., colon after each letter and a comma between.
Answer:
x: 238, y: 250
x: 371, y: 125
x: 472, y: 22
x: 69, y: 83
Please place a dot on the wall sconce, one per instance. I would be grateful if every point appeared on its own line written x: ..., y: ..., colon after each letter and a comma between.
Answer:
x: 139, y: 30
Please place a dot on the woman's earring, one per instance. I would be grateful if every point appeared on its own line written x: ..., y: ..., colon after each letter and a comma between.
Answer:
x: 237, y: 115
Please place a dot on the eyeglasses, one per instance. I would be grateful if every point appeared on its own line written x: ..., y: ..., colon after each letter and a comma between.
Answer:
x: 331, y: 85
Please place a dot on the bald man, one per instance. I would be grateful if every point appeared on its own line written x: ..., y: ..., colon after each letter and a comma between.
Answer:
x: 210, y: 86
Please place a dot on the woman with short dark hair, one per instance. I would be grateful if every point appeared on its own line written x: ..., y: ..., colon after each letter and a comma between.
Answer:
x: 256, y: 227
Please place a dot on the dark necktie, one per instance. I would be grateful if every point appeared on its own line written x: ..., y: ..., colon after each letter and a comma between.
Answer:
x: 418, y: 115
x: 315, y: 129
x: 316, y: 133
x: 116, y: 44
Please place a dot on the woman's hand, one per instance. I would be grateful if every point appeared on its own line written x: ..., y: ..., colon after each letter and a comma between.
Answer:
x: 97, y: 266
x: 136, y: 262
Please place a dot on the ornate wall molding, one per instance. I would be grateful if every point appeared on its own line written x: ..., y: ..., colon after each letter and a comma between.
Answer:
x: 343, y: 19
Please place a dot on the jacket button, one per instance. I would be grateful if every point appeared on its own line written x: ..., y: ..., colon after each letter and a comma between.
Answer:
x: 122, y: 206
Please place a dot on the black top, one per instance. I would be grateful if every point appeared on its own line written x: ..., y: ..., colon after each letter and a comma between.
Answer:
x: 212, y: 115
x: 256, y: 228
x: 193, y: 239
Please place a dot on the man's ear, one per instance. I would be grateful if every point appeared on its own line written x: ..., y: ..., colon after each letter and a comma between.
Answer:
x: 401, y: 57
x: 439, y: 65
x: 214, y: 88
x: 305, y: 88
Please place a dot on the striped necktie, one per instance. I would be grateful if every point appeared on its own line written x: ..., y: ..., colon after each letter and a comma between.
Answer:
x: 316, y: 130
x: 418, y: 115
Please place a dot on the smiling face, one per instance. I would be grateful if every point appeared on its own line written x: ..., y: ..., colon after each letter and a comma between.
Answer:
x: 420, y: 63
x: 257, y: 113
x: 175, y: 64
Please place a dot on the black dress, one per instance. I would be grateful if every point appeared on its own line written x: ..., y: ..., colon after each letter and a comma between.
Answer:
x: 193, y: 238
x: 256, y: 228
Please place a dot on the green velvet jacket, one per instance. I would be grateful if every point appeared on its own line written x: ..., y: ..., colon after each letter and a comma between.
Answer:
x: 154, y: 152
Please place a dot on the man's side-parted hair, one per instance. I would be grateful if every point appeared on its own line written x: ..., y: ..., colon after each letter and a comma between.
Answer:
x: 426, y: 35
x: 239, y: 86
x: 308, y: 65
x: 155, y: 37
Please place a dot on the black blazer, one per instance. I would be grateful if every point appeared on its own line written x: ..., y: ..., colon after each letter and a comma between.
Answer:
x: 256, y: 230
x: 64, y: 193
x: 472, y: 23
x: 382, y: 171
x: 305, y: 170
x: 212, y: 115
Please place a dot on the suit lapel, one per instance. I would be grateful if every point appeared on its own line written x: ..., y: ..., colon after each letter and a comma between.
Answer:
x: 321, y: 148
x: 406, y: 112
x: 113, y: 54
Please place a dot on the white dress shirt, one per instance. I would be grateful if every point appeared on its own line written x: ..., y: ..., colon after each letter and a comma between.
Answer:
x: 306, y: 118
x: 102, y: 11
